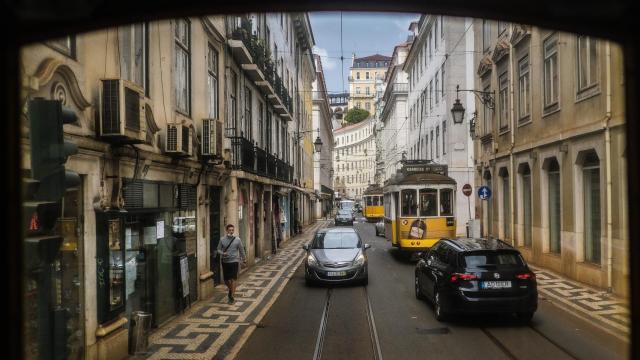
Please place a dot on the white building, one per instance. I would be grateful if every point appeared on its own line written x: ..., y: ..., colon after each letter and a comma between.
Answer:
x: 441, y: 57
x: 354, y: 158
x: 322, y: 164
x: 393, y: 126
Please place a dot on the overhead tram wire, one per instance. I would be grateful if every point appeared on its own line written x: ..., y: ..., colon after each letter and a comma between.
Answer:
x: 341, y: 55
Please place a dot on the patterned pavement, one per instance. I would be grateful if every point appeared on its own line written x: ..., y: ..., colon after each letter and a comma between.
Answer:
x: 213, y: 329
x: 596, y: 306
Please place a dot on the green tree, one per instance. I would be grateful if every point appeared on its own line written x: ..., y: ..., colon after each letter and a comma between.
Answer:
x: 356, y: 115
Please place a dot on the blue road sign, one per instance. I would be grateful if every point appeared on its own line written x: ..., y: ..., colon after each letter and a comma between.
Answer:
x: 484, y: 192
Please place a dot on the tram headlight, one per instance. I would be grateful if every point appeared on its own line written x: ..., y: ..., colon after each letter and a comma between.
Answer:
x: 311, y: 260
x: 359, y: 260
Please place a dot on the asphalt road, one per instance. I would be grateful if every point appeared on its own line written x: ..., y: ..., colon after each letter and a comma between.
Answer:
x: 386, y: 321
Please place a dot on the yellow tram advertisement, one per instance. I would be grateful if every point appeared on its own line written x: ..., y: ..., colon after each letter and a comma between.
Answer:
x: 419, y: 206
x: 373, y: 204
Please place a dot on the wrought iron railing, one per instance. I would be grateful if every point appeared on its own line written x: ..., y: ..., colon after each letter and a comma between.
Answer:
x: 271, y: 166
x: 242, y: 154
x: 261, y: 56
x: 261, y: 161
x: 281, y: 171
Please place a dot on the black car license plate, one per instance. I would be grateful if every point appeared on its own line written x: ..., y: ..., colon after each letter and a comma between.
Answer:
x: 495, y: 285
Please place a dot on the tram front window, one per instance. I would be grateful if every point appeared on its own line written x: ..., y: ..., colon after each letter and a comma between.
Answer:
x: 446, y: 199
x: 409, y: 203
x: 428, y: 202
x: 368, y: 201
x: 375, y: 201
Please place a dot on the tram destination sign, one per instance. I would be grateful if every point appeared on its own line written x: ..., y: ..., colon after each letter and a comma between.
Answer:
x: 419, y: 167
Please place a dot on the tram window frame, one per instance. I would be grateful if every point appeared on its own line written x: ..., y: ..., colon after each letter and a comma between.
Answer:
x: 404, y: 213
x: 440, y: 208
x: 428, y: 191
x: 368, y: 201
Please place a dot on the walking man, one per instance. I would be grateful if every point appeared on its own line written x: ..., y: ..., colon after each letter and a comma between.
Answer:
x: 232, y: 252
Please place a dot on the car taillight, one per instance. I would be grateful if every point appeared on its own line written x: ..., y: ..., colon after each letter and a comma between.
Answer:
x: 526, y: 276
x: 458, y: 277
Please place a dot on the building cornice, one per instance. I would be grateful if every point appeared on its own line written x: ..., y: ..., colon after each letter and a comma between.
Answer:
x: 518, y: 33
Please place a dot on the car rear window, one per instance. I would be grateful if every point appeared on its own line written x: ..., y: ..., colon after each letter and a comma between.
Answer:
x: 336, y: 240
x: 493, y: 259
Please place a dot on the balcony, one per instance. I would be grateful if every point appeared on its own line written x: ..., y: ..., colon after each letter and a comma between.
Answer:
x: 242, y: 155
x: 284, y: 172
x: 271, y: 166
x: 395, y: 89
x: 361, y: 95
x: 238, y: 41
x: 250, y: 158
x: 255, y: 59
x: 261, y: 162
x: 400, y: 88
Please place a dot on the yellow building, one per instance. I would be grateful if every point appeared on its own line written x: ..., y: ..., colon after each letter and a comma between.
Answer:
x: 362, y: 80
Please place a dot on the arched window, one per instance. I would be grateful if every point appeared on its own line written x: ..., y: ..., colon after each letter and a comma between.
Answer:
x: 554, y: 215
x: 591, y: 197
x: 525, y: 198
x: 506, y: 202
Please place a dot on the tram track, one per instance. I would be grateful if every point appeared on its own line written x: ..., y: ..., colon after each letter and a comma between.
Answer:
x: 325, y: 324
x: 509, y: 354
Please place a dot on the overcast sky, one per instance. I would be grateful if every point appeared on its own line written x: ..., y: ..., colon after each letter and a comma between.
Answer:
x: 363, y: 33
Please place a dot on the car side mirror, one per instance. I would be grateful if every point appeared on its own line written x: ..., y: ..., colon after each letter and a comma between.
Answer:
x: 305, y: 247
x: 367, y: 246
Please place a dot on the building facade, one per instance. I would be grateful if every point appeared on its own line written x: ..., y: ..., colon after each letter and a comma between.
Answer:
x: 440, y: 59
x: 552, y: 149
x: 322, y: 162
x: 354, y: 159
x: 339, y: 104
x: 363, y: 74
x: 392, y: 128
x: 183, y: 126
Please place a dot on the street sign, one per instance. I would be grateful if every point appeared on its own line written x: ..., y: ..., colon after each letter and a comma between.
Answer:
x: 484, y: 193
x: 467, y: 190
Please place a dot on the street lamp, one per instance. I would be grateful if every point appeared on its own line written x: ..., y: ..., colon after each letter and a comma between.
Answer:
x: 317, y: 145
x: 457, y: 111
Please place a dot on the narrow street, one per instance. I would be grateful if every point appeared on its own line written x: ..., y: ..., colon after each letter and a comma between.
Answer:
x: 297, y: 326
x: 181, y: 177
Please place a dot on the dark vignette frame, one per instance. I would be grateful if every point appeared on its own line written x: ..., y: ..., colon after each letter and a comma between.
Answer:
x: 37, y: 20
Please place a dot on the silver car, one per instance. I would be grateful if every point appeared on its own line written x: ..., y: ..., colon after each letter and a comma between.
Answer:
x: 336, y: 255
x: 380, y: 228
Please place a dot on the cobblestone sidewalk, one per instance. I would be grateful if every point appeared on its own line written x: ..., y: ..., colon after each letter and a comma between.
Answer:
x: 596, y: 306
x: 213, y: 329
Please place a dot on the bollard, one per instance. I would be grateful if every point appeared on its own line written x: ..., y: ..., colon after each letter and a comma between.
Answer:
x: 139, y: 332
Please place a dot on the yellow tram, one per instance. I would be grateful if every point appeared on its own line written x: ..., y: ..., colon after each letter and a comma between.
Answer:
x: 419, y: 206
x: 373, y: 206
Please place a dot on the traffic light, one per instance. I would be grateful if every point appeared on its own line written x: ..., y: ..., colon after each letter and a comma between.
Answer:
x: 49, y: 150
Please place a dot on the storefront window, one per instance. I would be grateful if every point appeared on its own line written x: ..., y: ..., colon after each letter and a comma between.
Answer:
x: 151, y: 253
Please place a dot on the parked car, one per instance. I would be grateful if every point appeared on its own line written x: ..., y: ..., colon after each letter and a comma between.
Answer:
x: 380, y: 228
x: 476, y: 276
x: 336, y: 255
x: 344, y: 217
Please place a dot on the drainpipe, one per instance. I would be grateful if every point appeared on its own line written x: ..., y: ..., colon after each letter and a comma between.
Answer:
x: 607, y: 142
x: 512, y: 174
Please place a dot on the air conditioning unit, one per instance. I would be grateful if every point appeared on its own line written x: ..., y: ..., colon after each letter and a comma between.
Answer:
x: 122, y: 111
x: 211, y: 136
x: 178, y: 140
